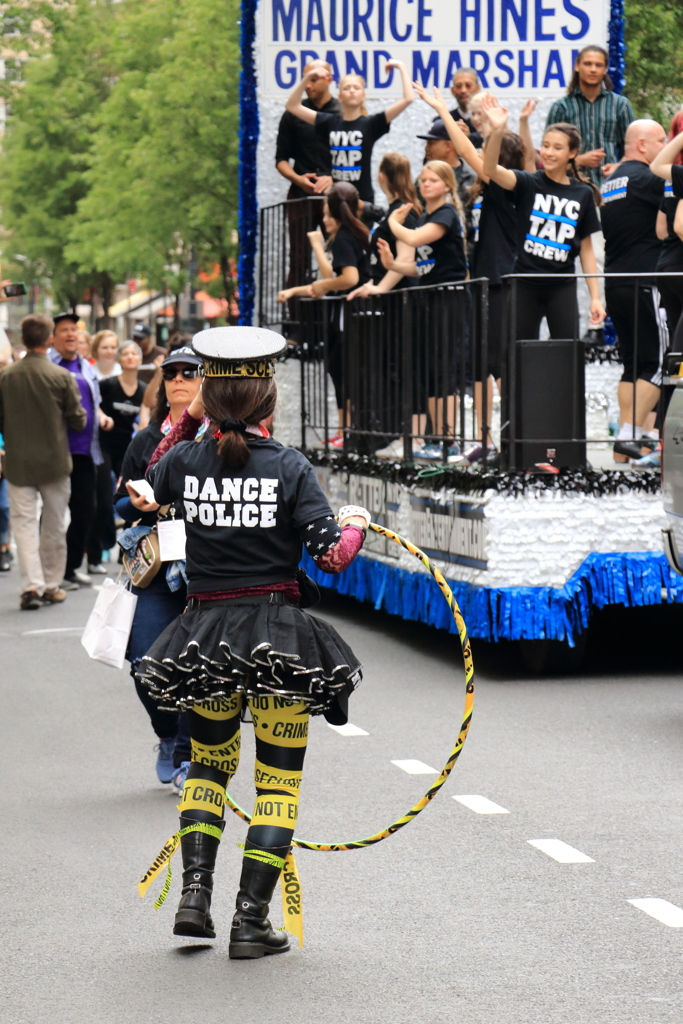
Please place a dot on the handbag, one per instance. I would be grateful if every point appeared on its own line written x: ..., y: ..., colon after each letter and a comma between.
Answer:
x: 143, y: 566
x: 106, y: 633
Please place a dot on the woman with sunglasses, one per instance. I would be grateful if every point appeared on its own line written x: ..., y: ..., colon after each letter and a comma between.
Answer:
x: 164, y: 599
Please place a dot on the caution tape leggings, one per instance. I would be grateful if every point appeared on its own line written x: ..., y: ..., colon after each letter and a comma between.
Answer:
x: 281, y: 732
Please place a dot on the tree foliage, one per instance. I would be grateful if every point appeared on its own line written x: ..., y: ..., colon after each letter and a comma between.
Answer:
x: 654, y: 57
x: 120, y: 157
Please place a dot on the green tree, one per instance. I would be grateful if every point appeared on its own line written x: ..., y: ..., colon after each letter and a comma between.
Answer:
x: 52, y: 108
x: 654, y: 57
x: 164, y: 158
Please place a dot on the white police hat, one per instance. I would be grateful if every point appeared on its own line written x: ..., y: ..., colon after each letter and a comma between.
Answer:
x: 238, y: 351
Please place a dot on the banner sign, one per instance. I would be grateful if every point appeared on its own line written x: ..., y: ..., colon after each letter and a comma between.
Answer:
x: 518, y: 47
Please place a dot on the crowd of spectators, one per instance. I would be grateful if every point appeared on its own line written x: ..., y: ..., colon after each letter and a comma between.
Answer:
x: 489, y: 202
x: 70, y: 405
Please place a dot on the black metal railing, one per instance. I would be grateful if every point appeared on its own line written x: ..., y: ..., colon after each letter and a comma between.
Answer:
x: 406, y: 368
x: 285, y: 259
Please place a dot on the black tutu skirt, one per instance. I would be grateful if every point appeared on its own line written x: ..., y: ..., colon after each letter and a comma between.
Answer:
x: 257, y: 649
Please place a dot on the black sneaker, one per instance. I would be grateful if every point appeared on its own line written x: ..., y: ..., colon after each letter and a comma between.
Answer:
x: 5, y: 561
x: 30, y: 601
x: 628, y: 448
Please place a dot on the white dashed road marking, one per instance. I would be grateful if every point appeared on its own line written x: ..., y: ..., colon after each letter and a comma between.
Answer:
x: 480, y: 805
x: 415, y: 767
x: 560, y: 851
x: 668, y: 913
x: 59, y: 629
x: 348, y: 730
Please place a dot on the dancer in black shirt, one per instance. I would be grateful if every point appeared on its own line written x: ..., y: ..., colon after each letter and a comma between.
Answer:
x: 352, y: 133
x: 556, y: 215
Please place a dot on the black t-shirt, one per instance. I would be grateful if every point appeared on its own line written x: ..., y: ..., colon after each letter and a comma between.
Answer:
x: 383, y: 231
x: 631, y: 198
x: 299, y: 141
x: 671, y: 256
x: 552, y: 221
x: 494, y: 221
x: 347, y: 251
x: 443, y: 260
x: 677, y: 180
x: 244, y: 526
x: 123, y: 410
x: 350, y: 144
x: 135, y: 463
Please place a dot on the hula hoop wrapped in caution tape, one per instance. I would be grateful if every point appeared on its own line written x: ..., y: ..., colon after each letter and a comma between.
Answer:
x: 289, y: 878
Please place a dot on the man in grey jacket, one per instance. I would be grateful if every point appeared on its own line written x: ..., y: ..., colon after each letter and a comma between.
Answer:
x: 38, y: 402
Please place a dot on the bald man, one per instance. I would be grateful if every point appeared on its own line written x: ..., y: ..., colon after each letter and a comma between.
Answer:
x: 631, y: 198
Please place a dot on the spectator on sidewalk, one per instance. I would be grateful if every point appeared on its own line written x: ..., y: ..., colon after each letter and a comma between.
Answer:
x: 152, y: 355
x: 83, y: 444
x: 105, y: 348
x: 5, y: 553
x: 631, y: 198
x: 39, y: 402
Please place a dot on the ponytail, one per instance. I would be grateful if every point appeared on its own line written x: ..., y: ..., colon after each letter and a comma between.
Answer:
x: 342, y: 201
x: 233, y: 404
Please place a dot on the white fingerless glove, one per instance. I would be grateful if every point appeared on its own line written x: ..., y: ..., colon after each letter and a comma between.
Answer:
x: 354, y: 510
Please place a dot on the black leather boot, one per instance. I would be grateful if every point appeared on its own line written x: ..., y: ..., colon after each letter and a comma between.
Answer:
x: 199, y: 858
x: 252, y: 934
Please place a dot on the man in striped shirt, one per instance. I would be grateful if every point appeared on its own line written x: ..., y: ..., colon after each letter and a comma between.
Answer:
x: 601, y: 115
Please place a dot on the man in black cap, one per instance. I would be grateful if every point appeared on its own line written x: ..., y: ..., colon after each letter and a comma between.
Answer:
x: 84, y: 445
x: 152, y: 355
x: 439, y: 147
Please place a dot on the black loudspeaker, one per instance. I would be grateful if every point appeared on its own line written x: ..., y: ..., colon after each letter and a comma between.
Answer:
x: 549, y: 421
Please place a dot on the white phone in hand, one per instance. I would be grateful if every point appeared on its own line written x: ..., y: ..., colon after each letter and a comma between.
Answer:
x: 144, y: 489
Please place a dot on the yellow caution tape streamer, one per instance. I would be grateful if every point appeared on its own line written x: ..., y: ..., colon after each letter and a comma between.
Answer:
x: 291, y: 884
x: 165, y: 856
x: 357, y: 844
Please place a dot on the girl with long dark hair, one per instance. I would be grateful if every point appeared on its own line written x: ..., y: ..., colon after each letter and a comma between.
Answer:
x: 556, y: 215
x: 250, y: 506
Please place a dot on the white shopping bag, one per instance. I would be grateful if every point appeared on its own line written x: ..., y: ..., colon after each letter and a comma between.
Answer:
x: 106, y: 633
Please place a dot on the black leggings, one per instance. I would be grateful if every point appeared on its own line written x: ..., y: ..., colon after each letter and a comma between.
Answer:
x: 556, y: 302
x: 671, y: 294
x: 82, y: 509
x: 281, y: 733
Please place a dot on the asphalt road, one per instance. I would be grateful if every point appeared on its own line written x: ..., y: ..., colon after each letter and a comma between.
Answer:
x: 457, y: 917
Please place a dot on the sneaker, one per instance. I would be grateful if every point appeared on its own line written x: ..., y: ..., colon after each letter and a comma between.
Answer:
x: 69, y: 585
x: 430, y: 452
x: 54, y: 596
x: 651, y: 461
x: 179, y: 777
x: 5, y: 561
x: 80, y: 578
x: 476, y: 451
x: 29, y: 601
x: 631, y: 449
x: 337, y: 442
x: 394, y: 450
x: 97, y: 570
x: 165, y: 766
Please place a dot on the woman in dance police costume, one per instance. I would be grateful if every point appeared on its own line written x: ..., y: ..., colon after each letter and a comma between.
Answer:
x: 249, y: 505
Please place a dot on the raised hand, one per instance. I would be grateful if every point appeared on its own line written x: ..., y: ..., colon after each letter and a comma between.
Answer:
x: 528, y: 109
x: 398, y: 64
x: 314, y: 236
x: 401, y: 213
x: 497, y: 115
x: 435, y: 101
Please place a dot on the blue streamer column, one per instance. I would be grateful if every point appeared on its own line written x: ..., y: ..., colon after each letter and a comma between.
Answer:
x: 247, y: 213
x: 617, y: 46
